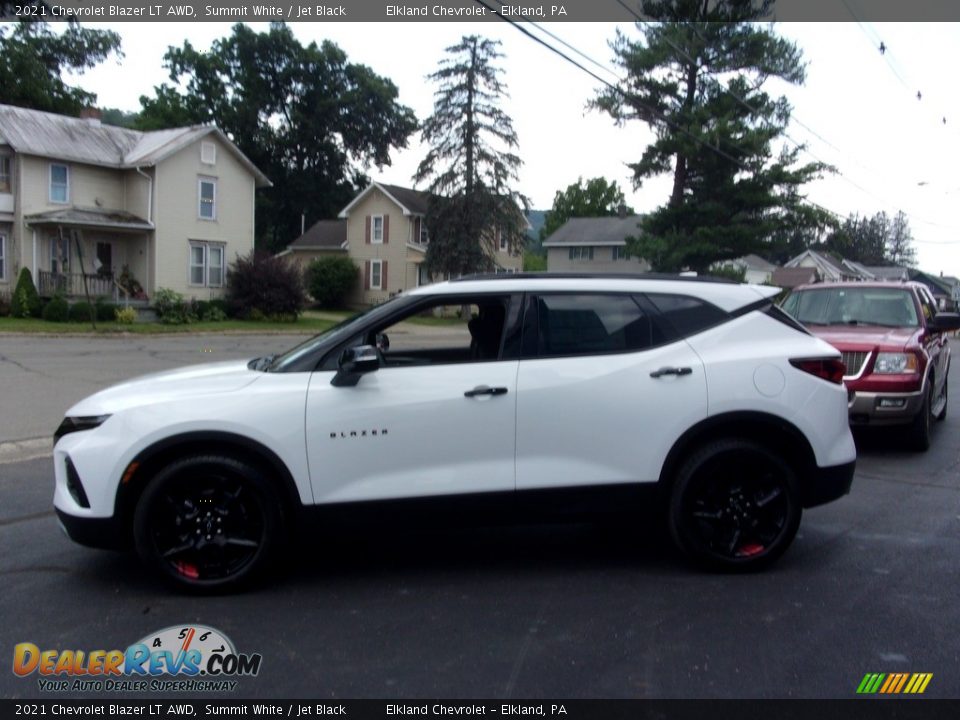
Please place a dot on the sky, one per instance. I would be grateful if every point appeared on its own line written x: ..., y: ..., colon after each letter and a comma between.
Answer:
x: 857, y: 111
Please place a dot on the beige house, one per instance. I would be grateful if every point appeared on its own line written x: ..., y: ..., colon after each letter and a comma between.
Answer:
x: 594, y: 245
x: 82, y: 203
x: 383, y: 231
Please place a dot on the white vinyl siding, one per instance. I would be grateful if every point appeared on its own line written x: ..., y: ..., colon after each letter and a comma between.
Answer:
x: 207, y: 199
x: 59, y: 183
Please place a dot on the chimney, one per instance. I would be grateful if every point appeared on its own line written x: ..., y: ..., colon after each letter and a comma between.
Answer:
x: 92, y: 115
x: 622, y: 211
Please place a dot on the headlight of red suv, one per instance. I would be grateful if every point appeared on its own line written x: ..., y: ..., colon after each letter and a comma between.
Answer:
x: 895, y: 364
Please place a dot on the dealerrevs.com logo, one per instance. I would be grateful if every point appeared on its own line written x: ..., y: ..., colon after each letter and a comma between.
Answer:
x: 180, y: 658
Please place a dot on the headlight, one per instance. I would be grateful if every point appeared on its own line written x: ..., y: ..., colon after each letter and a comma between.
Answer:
x: 895, y: 364
x: 73, y: 424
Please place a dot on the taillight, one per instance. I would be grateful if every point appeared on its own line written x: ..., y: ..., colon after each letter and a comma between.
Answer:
x: 829, y: 369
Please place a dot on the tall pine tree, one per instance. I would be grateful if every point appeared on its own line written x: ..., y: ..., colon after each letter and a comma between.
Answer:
x: 471, y: 164
x: 696, y: 78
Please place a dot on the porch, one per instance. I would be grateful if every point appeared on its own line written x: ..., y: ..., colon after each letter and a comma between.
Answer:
x: 77, y: 285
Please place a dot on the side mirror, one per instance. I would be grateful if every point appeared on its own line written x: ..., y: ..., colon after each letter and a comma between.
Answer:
x: 945, y: 322
x: 354, y: 363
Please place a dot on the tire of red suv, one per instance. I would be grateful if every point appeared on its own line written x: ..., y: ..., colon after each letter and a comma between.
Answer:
x: 942, y: 415
x: 208, y: 523
x: 734, y: 506
x: 919, y: 437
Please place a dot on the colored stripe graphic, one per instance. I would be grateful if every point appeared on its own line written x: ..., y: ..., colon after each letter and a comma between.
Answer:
x: 894, y: 683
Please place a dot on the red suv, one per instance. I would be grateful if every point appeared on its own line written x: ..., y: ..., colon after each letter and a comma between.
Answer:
x: 894, y: 344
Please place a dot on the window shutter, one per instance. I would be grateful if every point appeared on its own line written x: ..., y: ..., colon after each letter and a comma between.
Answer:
x: 386, y: 229
x: 367, y: 235
x: 383, y: 268
x: 366, y: 271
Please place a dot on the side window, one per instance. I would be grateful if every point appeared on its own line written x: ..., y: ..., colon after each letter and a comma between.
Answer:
x: 687, y: 315
x: 445, y: 331
x: 928, y: 304
x: 591, y: 324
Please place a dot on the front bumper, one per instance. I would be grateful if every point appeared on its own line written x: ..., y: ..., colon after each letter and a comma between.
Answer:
x: 884, y: 408
x: 827, y: 484
x: 105, y: 533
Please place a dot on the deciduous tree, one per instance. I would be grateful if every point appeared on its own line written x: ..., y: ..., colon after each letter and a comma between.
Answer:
x: 34, y: 59
x: 309, y: 119
x: 594, y: 198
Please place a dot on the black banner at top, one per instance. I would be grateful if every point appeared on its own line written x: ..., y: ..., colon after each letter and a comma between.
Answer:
x: 445, y: 10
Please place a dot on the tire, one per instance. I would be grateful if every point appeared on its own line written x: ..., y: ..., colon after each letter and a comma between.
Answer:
x: 207, y: 523
x: 734, y: 506
x: 942, y: 415
x: 919, y: 434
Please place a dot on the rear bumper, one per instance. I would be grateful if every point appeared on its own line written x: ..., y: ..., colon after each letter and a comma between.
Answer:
x: 827, y: 484
x: 105, y: 533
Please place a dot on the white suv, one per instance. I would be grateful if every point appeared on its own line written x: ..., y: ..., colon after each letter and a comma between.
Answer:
x: 703, y: 391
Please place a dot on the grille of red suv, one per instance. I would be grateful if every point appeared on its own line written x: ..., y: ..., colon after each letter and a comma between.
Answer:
x: 854, y: 362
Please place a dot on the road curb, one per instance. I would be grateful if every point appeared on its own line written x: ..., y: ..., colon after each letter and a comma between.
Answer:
x: 22, y: 450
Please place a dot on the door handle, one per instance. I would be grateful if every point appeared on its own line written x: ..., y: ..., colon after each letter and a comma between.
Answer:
x: 671, y: 371
x: 485, y: 390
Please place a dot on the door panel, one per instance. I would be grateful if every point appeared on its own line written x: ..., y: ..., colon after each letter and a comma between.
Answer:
x: 412, y: 432
x: 604, y: 419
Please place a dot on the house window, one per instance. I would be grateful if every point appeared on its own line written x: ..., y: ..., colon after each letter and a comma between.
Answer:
x: 59, y: 183
x: 3, y: 256
x: 581, y: 253
x: 206, y: 265
x: 620, y: 253
x: 5, y: 173
x: 503, y: 240
x: 208, y: 153
x: 376, y: 274
x: 208, y: 199
x: 424, y: 237
x: 376, y: 229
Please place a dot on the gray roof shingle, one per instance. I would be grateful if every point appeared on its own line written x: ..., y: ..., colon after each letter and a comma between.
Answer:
x: 59, y: 137
x: 595, y: 231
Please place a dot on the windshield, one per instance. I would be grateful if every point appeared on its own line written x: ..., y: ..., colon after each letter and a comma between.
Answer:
x: 289, y: 360
x: 886, y: 307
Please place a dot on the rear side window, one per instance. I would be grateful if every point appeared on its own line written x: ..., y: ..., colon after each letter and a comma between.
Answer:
x: 687, y: 315
x: 591, y: 324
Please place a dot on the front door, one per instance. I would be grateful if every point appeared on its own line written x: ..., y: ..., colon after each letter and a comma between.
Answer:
x: 436, y: 418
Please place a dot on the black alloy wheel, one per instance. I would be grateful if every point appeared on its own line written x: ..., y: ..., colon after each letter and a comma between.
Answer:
x: 734, y: 506
x: 207, y: 522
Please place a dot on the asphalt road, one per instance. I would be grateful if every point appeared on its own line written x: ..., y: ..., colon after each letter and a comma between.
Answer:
x: 870, y: 585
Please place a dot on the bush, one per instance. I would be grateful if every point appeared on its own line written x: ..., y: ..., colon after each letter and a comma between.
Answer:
x: 82, y: 312
x: 171, y: 308
x: 330, y: 280
x: 125, y: 316
x: 105, y: 311
x: 56, y: 310
x: 270, y: 285
x: 213, y: 314
x: 25, y: 301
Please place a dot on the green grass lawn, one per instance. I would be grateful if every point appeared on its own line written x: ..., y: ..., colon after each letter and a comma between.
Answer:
x: 306, y: 325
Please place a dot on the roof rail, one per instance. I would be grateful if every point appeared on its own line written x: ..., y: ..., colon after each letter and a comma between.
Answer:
x: 592, y: 276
